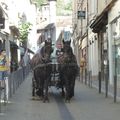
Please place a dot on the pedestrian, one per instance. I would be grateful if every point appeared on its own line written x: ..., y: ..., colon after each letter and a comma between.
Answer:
x: 3, y: 68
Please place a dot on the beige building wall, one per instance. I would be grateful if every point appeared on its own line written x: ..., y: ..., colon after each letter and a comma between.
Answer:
x: 92, y: 46
x: 102, y: 5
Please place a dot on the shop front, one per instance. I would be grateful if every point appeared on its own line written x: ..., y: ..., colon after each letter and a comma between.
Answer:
x: 115, y: 25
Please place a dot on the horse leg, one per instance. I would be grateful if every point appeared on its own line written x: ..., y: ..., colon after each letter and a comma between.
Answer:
x: 72, y: 87
x: 46, y: 91
x: 67, y: 87
x: 40, y: 88
x: 62, y: 88
x: 67, y: 98
x: 63, y: 92
x: 33, y: 87
x: 61, y: 84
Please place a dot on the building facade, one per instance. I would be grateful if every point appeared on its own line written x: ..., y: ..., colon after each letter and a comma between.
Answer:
x: 14, y: 12
x: 100, y: 37
x: 114, y: 42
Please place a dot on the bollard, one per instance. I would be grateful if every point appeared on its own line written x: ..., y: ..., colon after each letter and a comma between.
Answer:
x: 4, y: 92
x: 106, y: 81
x: 82, y: 75
x: 10, y: 86
x: 90, y: 78
x: 79, y: 73
x: 85, y: 76
x: 0, y: 99
x: 115, y: 87
x: 7, y: 88
x: 99, y: 79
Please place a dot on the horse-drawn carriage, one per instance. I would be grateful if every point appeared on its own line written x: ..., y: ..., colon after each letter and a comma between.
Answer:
x: 60, y: 72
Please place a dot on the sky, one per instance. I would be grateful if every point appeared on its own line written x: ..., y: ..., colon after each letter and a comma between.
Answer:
x: 66, y: 1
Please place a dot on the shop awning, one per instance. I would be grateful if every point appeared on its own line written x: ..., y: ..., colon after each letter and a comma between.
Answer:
x: 47, y: 27
x: 102, y: 20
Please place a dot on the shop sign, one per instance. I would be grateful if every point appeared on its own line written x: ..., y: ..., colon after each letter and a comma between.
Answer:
x: 81, y: 14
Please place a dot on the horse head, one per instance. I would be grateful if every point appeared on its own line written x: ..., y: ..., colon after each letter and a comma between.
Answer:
x: 66, y: 43
x: 42, y: 55
x: 46, y: 51
x: 67, y: 50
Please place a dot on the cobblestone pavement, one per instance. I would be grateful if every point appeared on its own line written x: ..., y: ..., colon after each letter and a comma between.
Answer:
x: 86, y: 105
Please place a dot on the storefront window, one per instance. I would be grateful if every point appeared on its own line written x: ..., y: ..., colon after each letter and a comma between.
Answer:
x: 116, y: 48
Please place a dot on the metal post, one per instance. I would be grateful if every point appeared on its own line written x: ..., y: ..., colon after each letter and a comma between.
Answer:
x: 99, y: 79
x: 4, y: 92
x: 106, y: 80
x: 87, y: 54
x: 89, y: 80
x: 115, y: 76
x: 82, y: 75
x: 79, y: 73
x: 115, y: 87
x: 0, y: 97
x: 85, y: 76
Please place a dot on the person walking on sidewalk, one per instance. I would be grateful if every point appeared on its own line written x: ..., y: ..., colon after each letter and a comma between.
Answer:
x: 3, y: 68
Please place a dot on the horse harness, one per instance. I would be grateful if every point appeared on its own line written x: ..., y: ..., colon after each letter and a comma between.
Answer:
x: 44, y: 64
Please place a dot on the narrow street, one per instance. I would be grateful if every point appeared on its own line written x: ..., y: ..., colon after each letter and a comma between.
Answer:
x: 86, y: 105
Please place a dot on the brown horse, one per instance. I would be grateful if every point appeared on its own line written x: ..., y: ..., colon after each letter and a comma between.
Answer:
x: 40, y: 64
x: 68, y: 69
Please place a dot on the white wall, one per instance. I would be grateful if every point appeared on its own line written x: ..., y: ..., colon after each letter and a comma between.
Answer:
x: 24, y: 6
x: 114, y: 12
x: 52, y: 11
x: 32, y: 38
x: 93, y: 54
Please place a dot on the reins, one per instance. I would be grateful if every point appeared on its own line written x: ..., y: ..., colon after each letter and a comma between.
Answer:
x: 41, y: 65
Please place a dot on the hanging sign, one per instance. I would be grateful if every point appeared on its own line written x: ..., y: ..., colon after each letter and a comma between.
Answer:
x: 81, y: 14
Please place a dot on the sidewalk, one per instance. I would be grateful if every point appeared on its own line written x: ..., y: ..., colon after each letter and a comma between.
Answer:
x: 110, y: 88
x: 95, y: 84
x: 86, y: 105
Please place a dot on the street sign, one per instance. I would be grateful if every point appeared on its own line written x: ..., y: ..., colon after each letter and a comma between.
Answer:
x: 81, y: 14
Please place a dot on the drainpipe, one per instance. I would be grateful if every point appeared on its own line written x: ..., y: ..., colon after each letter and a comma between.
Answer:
x: 87, y: 60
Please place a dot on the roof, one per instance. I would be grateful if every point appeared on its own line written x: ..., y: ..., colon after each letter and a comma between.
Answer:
x: 47, y: 27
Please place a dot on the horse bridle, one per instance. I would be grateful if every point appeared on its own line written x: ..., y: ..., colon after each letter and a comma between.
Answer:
x: 43, y: 60
x: 41, y: 55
